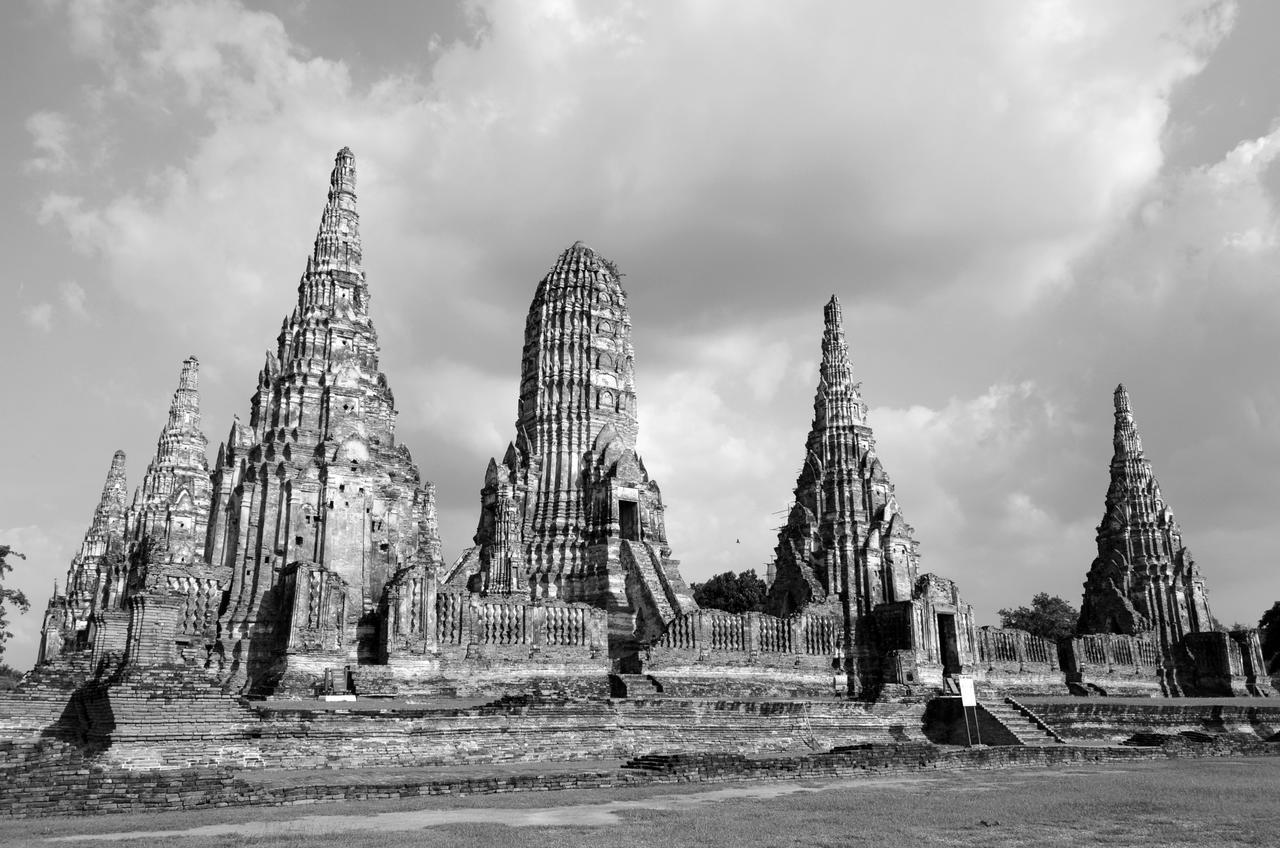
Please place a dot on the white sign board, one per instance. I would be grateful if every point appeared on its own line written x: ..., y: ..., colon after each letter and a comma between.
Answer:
x: 968, y: 698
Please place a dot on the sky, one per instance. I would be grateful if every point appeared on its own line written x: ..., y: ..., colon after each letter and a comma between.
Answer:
x: 1020, y: 204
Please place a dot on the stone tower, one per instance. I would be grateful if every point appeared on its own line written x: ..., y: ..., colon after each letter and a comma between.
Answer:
x: 847, y: 551
x: 102, y: 552
x: 570, y: 512
x: 845, y: 543
x: 1143, y: 579
x: 171, y: 507
x: 316, y: 507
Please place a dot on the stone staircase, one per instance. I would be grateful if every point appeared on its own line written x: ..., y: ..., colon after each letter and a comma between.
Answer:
x: 634, y: 686
x: 1021, y: 723
x: 641, y: 559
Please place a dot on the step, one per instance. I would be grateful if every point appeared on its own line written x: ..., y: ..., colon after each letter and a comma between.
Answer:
x: 1023, y: 728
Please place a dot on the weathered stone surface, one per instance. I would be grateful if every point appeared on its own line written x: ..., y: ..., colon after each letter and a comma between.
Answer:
x: 1145, y: 583
x: 570, y: 513
x: 847, y: 551
x: 314, y: 491
x: 102, y: 554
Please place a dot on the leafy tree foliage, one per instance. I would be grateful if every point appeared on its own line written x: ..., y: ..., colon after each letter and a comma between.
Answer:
x: 1270, y: 627
x: 9, y: 596
x: 731, y: 592
x: 1048, y: 616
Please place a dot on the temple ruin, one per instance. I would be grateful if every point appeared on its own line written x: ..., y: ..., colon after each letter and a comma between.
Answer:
x: 570, y: 513
x: 1145, y: 623
x: 210, y: 619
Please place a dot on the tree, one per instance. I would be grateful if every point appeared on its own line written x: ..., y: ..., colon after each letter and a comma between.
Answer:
x: 1269, y: 624
x: 731, y: 592
x: 9, y: 596
x: 1048, y: 616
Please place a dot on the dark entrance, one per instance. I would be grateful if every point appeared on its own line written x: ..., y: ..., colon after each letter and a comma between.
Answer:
x: 947, y: 644
x: 629, y: 520
x: 368, y: 649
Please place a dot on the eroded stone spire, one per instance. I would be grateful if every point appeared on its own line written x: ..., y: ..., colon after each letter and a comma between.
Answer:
x: 845, y: 541
x: 316, y: 483
x: 171, y: 506
x: 102, y: 541
x: 108, y: 517
x: 1144, y: 578
x: 337, y: 246
x: 1128, y: 442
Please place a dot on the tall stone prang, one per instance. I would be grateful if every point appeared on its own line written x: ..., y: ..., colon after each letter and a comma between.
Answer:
x: 846, y: 541
x: 172, y: 595
x: 847, y: 551
x: 1144, y: 588
x: 571, y: 513
x: 171, y: 507
x: 317, y: 509
x: 1144, y: 580
x: 102, y: 552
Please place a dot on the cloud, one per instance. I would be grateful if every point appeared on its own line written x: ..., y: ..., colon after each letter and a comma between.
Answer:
x: 678, y: 134
x: 72, y: 296
x: 51, y: 137
x: 983, y: 185
x: 39, y: 316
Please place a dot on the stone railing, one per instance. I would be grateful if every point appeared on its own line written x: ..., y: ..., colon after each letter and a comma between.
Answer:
x: 198, y: 614
x: 1000, y: 645
x: 462, y: 620
x: 751, y: 632
x: 1109, y: 650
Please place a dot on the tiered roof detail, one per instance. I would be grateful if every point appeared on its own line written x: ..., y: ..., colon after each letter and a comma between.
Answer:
x: 105, y: 537
x: 570, y: 492
x: 845, y: 537
x: 171, y: 507
x: 316, y: 475
x: 1144, y: 578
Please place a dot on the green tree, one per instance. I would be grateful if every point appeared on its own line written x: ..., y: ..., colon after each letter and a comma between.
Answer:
x: 1269, y: 624
x: 731, y: 592
x: 9, y: 596
x: 1048, y: 616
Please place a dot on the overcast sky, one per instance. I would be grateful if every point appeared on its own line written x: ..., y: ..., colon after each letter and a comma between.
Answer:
x: 1020, y: 204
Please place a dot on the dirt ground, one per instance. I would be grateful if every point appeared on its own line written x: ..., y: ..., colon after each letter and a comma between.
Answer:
x: 1227, y: 802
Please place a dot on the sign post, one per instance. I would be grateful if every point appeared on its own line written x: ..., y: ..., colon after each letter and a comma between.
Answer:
x: 969, y: 698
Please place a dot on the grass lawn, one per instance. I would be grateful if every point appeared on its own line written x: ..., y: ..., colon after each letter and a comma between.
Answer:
x: 1206, y: 802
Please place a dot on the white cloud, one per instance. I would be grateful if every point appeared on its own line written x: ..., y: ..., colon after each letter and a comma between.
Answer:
x: 39, y: 316
x: 72, y: 296
x: 982, y: 184
x: 51, y: 137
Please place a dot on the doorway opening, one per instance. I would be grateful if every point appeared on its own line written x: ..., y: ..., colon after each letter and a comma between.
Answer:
x: 629, y: 520
x: 948, y: 645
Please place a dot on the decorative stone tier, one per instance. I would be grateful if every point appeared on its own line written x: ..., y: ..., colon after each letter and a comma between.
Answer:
x: 1013, y: 661
x: 468, y: 645
x: 706, y: 653
x: 1110, y: 664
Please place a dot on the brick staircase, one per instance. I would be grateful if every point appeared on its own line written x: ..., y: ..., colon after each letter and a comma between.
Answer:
x: 1021, y: 723
x: 634, y: 686
x: 642, y: 560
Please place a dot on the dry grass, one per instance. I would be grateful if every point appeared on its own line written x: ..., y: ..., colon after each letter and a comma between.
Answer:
x: 1173, y: 803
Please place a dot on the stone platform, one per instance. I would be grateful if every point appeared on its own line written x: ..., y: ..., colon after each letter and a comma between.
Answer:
x: 74, y: 786
x: 1110, y: 719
